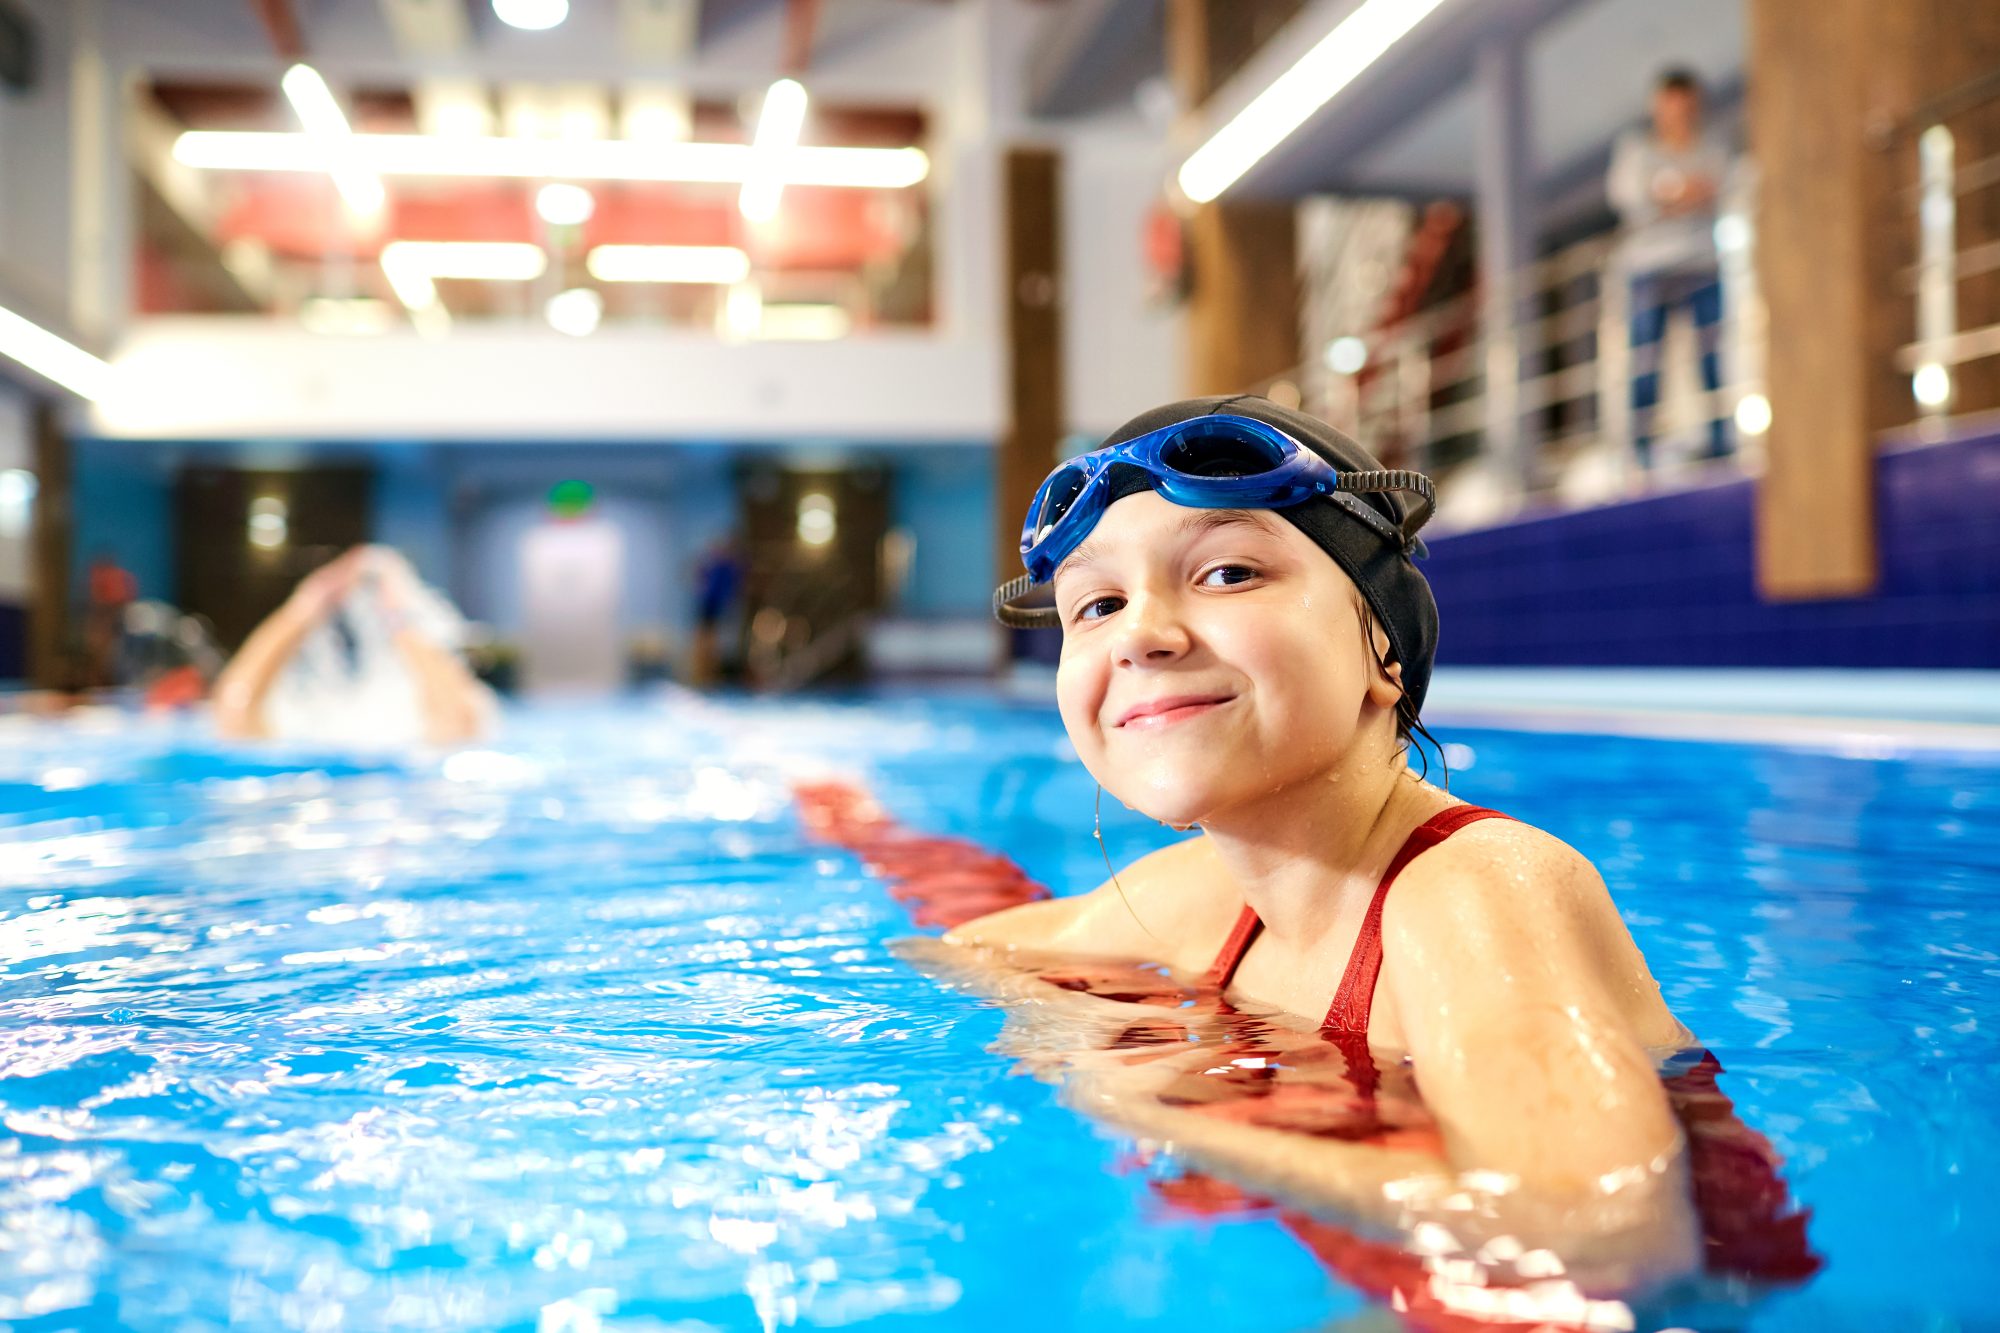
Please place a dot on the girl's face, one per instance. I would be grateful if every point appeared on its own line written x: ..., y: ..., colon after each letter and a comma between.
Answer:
x: 1210, y: 657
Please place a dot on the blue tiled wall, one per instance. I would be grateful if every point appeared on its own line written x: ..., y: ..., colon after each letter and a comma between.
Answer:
x: 1669, y: 581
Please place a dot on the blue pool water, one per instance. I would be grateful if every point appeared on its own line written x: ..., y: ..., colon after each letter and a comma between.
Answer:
x: 580, y: 1031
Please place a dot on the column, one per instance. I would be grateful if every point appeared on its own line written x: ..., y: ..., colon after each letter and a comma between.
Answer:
x: 1835, y: 89
x: 1504, y: 178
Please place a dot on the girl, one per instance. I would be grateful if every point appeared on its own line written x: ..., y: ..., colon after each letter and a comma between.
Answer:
x: 1246, y: 646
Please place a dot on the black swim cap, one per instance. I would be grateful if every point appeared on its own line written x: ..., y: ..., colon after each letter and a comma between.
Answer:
x: 1385, y: 571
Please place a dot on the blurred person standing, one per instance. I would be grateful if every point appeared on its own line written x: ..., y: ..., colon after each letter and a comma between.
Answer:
x: 361, y: 652
x: 1664, y: 182
x: 109, y: 589
x: 718, y: 581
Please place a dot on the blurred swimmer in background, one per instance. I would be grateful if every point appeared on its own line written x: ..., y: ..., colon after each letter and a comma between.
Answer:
x: 361, y: 652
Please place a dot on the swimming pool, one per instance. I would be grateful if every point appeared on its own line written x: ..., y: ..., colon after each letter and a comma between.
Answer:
x: 581, y: 1031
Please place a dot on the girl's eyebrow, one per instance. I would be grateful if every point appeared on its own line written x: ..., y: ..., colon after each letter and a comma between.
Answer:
x: 1197, y: 523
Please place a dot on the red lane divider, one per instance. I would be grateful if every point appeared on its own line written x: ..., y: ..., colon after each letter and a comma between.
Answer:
x: 940, y: 881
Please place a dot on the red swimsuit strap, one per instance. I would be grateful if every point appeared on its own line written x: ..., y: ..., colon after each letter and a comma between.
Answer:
x: 1354, y: 1001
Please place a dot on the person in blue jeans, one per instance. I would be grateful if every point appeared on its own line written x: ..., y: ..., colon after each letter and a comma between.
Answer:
x: 1664, y: 181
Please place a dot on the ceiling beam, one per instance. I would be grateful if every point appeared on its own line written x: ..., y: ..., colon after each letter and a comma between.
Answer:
x: 282, y: 26
x: 801, y: 20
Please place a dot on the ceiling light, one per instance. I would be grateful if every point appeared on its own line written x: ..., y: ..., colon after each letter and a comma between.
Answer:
x: 1355, y: 43
x: 53, y: 358
x: 565, y: 205
x: 1931, y: 384
x: 1753, y: 414
x: 495, y: 261
x: 333, y: 140
x: 533, y: 15
x: 575, y: 312
x: 1346, y: 355
x: 553, y: 159
x: 668, y: 263
x: 778, y: 126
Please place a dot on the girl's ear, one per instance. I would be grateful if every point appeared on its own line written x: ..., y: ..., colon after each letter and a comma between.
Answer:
x: 1385, y: 683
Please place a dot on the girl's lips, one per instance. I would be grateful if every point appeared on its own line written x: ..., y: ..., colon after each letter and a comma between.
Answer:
x: 1165, y: 712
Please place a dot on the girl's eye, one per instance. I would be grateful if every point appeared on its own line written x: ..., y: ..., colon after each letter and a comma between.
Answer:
x: 1227, y: 576
x: 1098, y: 607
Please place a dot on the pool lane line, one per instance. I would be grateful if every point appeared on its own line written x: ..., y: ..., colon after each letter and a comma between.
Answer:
x: 940, y: 881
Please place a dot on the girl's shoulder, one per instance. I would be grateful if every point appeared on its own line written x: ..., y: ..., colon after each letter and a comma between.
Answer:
x: 1506, y: 901
x: 1162, y: 907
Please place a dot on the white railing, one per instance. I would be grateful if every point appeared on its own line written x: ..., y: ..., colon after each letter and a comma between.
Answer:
x: 1415, y: 390
x: 1944, y: 343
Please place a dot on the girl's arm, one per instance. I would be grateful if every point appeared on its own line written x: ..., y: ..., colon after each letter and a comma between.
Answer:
x: 244, y: 685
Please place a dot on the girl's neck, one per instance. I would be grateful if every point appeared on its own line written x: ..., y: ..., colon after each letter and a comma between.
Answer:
x: 1302, y: 854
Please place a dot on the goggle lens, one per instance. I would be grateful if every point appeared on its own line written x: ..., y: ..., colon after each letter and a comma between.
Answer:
x: 1221, y: 453
x: 1060, y: 493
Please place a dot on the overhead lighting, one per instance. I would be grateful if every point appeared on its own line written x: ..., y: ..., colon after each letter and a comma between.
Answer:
x: 575, y: 312
x: 495, y: 261
x: 565, y: 205
x: 332, y: 139
x: 532, y: 15
x: 1753, y: 414
x: 1346, y: 355
x: 53, y: 358
x: 603, y: 159
x: 269, y: 523
x: 1355, y: 43
x: 1931, y: 385
x: 668, y: 263
x: 413, y: 266
x: 778, y: 126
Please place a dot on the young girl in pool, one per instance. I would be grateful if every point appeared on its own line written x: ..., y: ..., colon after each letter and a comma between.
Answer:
x: 1246, y: 646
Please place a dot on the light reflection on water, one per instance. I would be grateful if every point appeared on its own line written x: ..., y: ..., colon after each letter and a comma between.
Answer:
x: 578, y: 1031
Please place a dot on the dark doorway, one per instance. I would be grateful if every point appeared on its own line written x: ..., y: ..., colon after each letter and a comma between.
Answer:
x: 813, y: 542
x: 245, y: 539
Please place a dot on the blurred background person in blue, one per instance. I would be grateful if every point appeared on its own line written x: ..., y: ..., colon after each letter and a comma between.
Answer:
x: 1664, y: 182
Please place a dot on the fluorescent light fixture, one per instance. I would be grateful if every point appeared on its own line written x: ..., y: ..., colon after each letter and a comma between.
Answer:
x: 565, y: 205
x: 493, y: 261
x: 53, y: 358
x: 546, y: 159
x: 1355, y: 43
x: 778, y: 126
x: 531, y: 15
x: 412, y: 267
x: 575, y: 312
x: 668, y: 263
x: 332, y: 139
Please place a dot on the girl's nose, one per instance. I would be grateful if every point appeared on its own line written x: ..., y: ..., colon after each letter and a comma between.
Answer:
x: 1151, y: 633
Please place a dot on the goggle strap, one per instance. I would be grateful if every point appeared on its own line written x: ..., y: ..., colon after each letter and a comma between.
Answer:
x: 1395, y: 479
x: 1016, y: 617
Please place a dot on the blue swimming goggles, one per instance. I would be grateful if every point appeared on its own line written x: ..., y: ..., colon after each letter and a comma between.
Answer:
x: 1208, y: 462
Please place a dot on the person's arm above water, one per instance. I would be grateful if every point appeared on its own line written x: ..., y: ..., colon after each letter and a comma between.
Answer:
x: 455, y: 706
x: 245, y: 684
x: 1125, y: 918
